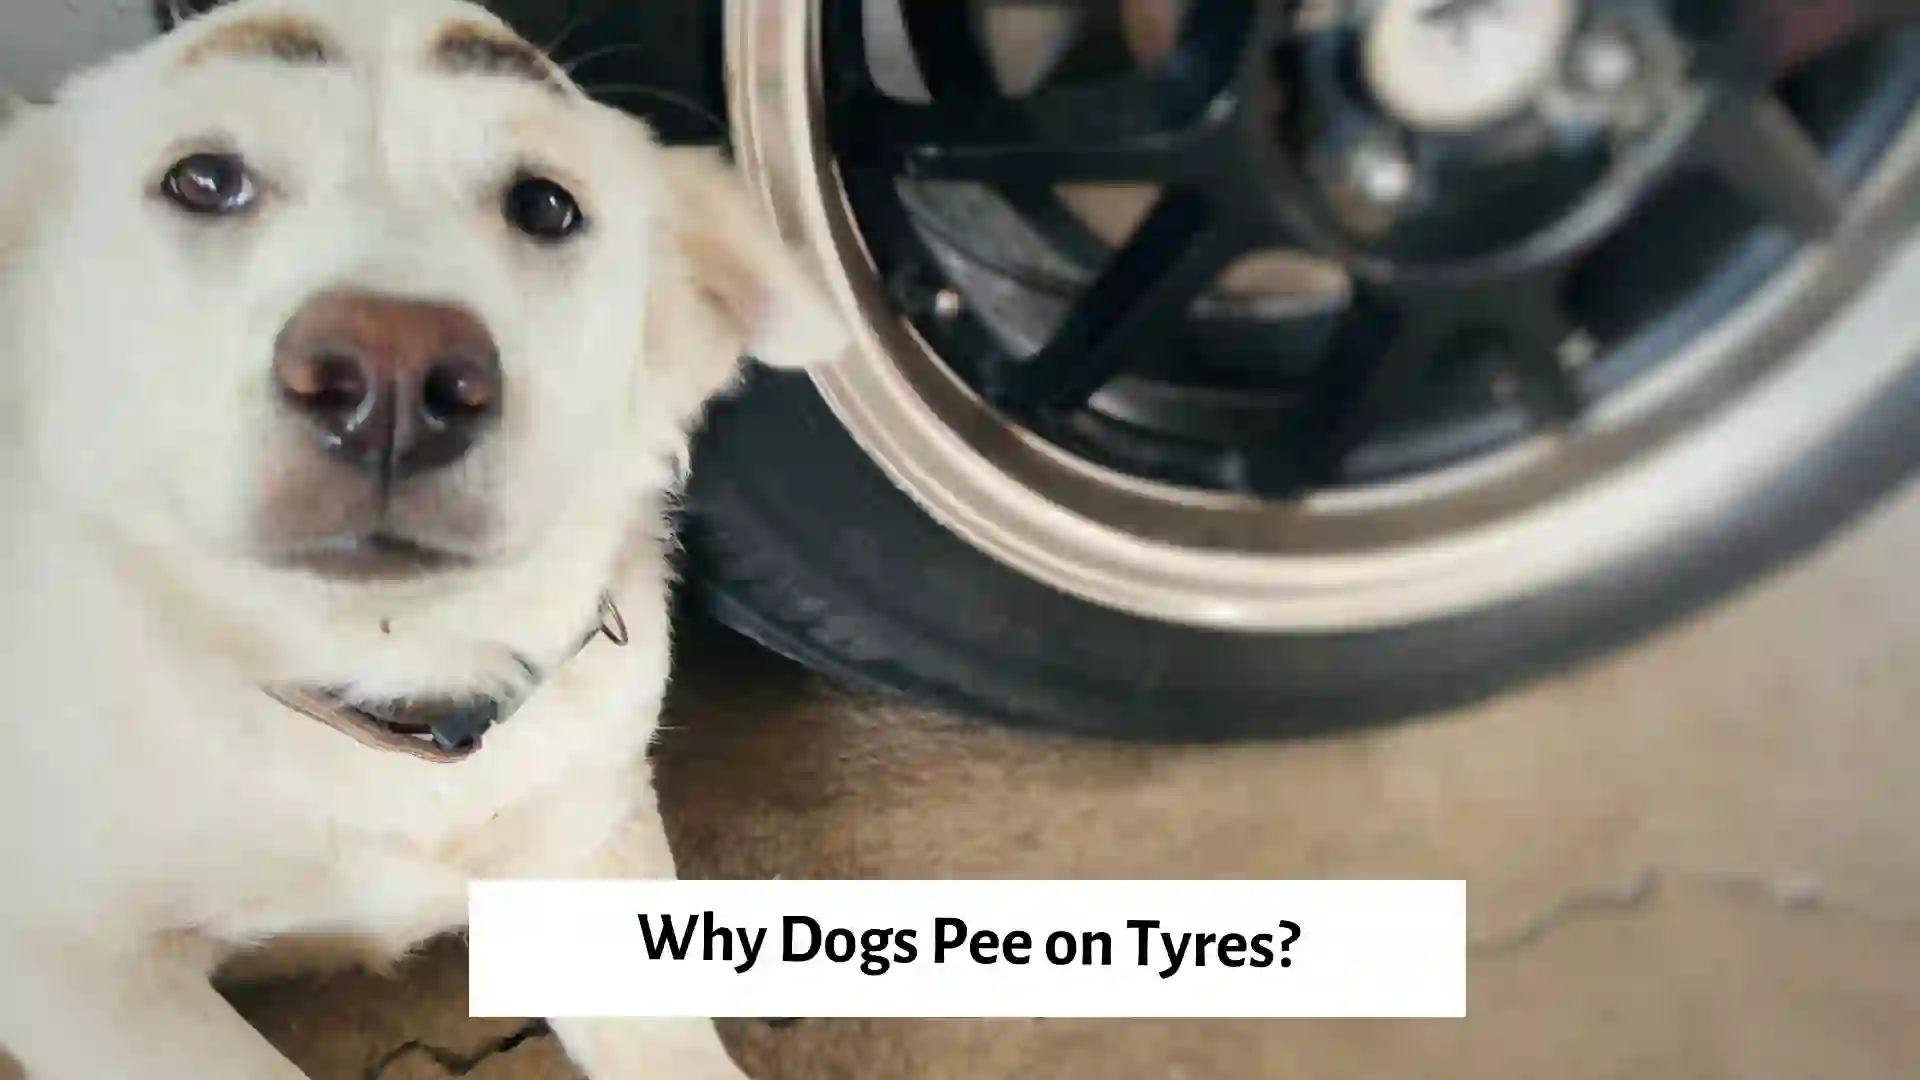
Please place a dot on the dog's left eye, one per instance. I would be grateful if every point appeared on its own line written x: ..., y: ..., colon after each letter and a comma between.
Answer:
x: 543, y: 209
x: 210, y: 184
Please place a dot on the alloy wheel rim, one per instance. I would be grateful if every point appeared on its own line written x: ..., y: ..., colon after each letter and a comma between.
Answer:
x: 1504, y: 524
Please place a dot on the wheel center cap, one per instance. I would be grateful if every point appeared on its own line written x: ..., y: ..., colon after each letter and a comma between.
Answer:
x: 1450, y: 65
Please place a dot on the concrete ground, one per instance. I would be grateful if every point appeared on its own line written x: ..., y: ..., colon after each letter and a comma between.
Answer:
x: 1700, y: 859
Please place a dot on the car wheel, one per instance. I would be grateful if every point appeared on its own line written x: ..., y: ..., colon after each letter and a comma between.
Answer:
x: 1259, y: 370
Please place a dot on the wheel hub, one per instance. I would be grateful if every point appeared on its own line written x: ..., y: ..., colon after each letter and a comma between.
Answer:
x: 1454, y: 65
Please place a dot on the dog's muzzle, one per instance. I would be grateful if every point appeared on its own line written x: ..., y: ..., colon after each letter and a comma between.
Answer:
x: 382, y: 395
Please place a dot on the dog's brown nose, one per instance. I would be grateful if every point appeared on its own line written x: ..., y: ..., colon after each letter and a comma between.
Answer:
x: 395, y: 387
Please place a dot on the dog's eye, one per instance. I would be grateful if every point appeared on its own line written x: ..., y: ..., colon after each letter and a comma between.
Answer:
x: 543, y: 209
x: 210, y: 184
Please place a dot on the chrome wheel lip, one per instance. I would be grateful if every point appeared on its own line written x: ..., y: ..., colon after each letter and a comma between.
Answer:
x: 1192, y: 558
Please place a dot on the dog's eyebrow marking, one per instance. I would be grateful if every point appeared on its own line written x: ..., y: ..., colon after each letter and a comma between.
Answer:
x: 474, y: 49
x: 270, y: 37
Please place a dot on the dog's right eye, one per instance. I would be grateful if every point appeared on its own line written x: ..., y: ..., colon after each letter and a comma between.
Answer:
x: 543, y: 209
x: 210, y: 184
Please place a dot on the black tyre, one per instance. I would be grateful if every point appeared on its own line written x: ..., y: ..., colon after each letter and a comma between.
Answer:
x: 803, y: 545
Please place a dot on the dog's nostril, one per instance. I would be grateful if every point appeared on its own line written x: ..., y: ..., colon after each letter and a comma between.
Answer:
x: 458, y: 389
x: 325, y: 382
x: 341, y: 384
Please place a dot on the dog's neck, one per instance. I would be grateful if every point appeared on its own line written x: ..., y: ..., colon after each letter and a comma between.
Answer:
x: 444, y: 731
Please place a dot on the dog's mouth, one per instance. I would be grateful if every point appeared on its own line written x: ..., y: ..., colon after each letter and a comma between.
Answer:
x: 442, y: 731
x: 375, y: 557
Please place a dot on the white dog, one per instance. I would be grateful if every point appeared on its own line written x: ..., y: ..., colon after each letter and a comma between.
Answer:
x: 350, y: 353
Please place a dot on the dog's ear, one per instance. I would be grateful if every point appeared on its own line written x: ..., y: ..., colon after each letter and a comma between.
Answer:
x: 727, y: 287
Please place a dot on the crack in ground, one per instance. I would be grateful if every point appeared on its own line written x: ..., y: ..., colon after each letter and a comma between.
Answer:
x: 455, y: 1063
x: 1793, y: 895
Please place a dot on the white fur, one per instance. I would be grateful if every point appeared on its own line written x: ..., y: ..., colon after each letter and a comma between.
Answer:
x: 157, y: 810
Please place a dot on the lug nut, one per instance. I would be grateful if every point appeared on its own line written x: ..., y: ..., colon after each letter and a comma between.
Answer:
x: 1380, y: 174
x: 1606, y: 61
x: 1578, y: 352
x: 947, y: 304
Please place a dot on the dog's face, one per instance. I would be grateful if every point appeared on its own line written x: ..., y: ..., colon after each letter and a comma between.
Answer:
x: 365, y: 291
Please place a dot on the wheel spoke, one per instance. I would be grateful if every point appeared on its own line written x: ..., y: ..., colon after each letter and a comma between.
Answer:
x: 1134, y: 306
x: 1380, y: 358
x: 945, y: 48
x: 1151, y: 126
x: 1537, y: 332
x: 1123, y: 130
x: 1756, y: 147
x: 948, y: 54
x: 1097, y: 45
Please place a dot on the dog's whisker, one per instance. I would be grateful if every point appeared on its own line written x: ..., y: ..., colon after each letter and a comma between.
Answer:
x: 576, y: 63
x: 668, y: 96
x: 575, y: 19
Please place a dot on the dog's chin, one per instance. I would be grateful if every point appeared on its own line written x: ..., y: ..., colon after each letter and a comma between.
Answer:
x: 375, y: 558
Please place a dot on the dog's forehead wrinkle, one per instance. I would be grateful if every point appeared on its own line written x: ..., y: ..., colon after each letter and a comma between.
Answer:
x: 469, y: 48
x: 277, y: 36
